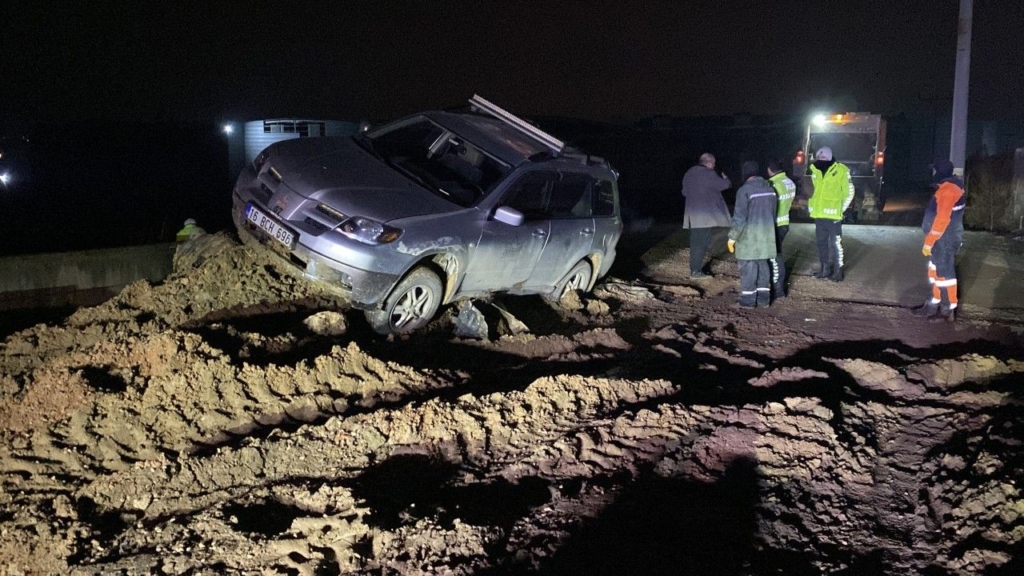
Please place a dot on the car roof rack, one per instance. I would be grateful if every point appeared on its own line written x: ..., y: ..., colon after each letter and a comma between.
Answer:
x: 523, y: 126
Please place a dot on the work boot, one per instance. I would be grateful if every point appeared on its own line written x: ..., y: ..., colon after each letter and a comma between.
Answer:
x: 837, y: 275
x: 780, y: 291
x: 927, y: 310
x: 825, y: 272
x: 945, y: 314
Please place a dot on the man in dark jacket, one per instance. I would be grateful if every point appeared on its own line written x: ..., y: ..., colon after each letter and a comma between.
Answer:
x: 943, y: 227
x: 752, y: 236
x: 705, y: 209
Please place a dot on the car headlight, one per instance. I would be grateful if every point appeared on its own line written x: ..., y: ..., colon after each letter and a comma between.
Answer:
x: 369, y: 231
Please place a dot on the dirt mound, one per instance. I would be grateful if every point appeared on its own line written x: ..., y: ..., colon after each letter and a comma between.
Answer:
x: 236, y: 419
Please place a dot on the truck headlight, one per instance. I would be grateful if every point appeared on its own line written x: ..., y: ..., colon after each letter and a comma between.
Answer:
x: 369, y: 231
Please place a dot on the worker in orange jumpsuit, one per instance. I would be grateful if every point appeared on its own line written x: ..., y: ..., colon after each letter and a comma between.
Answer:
x: 943, y: 227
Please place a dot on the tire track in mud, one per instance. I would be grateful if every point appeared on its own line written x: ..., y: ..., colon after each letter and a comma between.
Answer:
x: 205, y: 447
x: 197, y: 397
x: 843, y: 482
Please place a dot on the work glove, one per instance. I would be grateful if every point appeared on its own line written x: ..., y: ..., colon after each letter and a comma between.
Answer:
x: 732, y: 246
x: 927, y: 251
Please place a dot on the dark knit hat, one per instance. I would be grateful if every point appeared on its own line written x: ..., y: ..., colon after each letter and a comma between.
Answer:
x: 748, y: 169
x: 943, y: 169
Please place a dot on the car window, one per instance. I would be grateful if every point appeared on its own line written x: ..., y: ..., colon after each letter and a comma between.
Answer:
x: 510, y: 136
x: 531, y: 192
x: 571, y: 197
x: 411, y: 139
x: 440, y: 160
x: 604, y: 198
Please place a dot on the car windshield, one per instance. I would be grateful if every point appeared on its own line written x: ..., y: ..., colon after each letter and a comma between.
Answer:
x: 438, y: 159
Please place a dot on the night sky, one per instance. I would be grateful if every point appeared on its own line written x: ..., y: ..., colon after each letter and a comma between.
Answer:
x: 214, y: 61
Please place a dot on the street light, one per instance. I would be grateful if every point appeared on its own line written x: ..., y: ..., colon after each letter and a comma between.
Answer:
x: 228, y: 129
x: 5, y: 178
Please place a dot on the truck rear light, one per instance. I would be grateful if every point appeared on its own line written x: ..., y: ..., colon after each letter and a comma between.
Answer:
x: 880, y: 159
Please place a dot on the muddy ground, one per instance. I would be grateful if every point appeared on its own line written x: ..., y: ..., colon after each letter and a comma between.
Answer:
x: 235, y: 419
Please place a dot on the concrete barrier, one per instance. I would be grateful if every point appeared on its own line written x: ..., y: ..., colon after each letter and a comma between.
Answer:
x: 79, y: 278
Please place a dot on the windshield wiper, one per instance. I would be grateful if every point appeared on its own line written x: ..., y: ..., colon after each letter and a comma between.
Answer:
x: 415, y: 177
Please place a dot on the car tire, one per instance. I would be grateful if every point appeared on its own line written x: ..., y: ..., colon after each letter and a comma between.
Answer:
x: 577, y: 279
x: 410, y: 306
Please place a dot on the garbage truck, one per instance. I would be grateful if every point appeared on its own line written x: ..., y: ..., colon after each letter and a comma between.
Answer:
x: 857, y: 139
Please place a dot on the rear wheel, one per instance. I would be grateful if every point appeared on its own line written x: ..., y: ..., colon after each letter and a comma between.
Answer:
x: 410, y: 306
x: 577, y: 279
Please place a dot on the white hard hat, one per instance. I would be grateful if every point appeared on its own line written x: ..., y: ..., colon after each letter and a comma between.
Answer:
x: 824, y: 153
x: 190, y: 222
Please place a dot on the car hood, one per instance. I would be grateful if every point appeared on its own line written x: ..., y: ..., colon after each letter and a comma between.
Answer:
x: 339, y: 173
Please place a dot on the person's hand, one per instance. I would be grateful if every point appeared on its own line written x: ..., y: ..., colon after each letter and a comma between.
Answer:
x: 732, y: 246
x: 927, y: 251
x: 724, y: 177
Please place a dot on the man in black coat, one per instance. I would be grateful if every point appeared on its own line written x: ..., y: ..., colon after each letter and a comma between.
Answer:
x: 705, y: 209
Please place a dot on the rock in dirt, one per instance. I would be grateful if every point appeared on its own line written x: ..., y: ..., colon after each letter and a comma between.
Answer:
x: 327, y: 323
x: 470, y: 322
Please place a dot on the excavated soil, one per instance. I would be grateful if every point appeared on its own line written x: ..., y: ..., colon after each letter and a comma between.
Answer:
x: 236, y: 419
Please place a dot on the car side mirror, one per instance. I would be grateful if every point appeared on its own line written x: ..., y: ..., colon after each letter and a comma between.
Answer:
x: 509, y: 216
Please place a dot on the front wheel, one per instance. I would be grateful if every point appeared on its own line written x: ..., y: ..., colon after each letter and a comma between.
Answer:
x: 577, y: 279
x: 410, y: 306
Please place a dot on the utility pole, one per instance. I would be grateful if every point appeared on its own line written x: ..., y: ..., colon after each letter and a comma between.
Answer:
x: 958, y: 137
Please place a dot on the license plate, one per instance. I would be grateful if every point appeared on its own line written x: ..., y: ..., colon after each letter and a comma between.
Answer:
x: 269, y: 225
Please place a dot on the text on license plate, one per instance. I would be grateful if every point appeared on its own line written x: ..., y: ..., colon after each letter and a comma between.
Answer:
x: 269, y: 225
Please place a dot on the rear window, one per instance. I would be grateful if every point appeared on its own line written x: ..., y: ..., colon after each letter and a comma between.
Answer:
x: 604, y: 198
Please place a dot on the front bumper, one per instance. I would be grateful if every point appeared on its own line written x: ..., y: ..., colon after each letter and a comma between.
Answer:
x: 365, y: 288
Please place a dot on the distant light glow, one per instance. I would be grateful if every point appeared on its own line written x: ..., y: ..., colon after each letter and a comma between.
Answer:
x: 820, y: 120
x: 5, y: 178
x: 229, y: 128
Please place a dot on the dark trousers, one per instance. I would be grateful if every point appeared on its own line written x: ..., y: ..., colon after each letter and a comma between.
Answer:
x: 942, y: 271
x: 779, y: 263
x: 700, y: 239
x: 755, y: 282
x: 829, y: 237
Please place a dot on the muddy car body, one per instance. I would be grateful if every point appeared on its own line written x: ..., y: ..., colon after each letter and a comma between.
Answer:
x: 434, y: 208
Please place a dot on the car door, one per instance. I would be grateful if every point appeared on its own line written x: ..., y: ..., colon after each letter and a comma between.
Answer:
x: 506, y: 255
x: 607, y: 222
x: 572, y: 229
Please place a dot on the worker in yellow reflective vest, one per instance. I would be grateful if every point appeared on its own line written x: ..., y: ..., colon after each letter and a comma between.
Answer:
x: 189, y: 231
x: 833, y: 194
x: 786, y: 191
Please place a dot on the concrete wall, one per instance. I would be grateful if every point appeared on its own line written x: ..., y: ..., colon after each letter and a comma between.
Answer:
x: 79, y: 278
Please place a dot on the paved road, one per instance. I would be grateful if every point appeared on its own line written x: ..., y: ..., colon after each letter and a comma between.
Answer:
x: 886, y: 262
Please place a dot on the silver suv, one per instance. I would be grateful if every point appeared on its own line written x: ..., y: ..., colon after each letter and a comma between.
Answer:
x: 434, y: 208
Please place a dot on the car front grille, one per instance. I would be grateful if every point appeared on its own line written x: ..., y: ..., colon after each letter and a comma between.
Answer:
x: 317, y: 225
